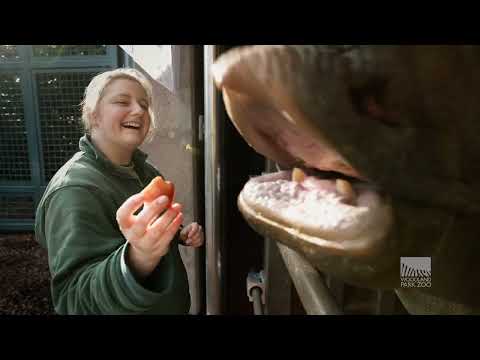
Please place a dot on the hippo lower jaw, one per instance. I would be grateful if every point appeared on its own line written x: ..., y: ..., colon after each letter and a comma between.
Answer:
x: 318, y: 212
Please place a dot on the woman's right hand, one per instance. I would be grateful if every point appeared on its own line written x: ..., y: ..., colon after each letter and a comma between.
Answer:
x: 148, y: 234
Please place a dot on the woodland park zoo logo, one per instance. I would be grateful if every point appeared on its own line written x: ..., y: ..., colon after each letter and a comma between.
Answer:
x: 415, y: 272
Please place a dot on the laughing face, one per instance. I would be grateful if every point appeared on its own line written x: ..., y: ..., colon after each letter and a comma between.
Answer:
x: 379, y: 157
x: 121, y: 120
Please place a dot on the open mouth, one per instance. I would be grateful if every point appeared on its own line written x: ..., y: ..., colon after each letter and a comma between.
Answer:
x: 319, y: 198
x: 132, y: 125
x: 332, y: 206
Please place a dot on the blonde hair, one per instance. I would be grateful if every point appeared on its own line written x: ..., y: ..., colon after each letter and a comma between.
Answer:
x: 95, y: 92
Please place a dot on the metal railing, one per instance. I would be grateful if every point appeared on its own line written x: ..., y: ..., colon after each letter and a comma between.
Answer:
x: 309, y: 283
x: 316, y: 297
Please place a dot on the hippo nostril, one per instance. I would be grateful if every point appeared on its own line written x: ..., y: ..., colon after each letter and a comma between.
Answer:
x: 369, y: 101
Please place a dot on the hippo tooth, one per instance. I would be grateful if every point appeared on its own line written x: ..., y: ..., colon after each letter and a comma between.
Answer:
x: 298, y: 175
x: 345, y: 189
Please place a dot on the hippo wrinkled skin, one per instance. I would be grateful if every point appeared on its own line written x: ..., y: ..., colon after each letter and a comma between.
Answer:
x: 384, y: 143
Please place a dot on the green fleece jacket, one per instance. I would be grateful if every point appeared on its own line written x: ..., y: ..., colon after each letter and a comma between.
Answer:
x: 75, y: 222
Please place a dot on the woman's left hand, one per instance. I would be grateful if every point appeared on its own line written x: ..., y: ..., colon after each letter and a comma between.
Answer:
x: 192, y: 235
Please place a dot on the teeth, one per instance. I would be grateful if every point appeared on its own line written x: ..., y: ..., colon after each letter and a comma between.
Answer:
x: 298, y: 175
x: 345, y: 189
x: 136, y: 125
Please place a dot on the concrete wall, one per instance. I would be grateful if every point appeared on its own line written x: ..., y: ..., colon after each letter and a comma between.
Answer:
x: 172, y: 153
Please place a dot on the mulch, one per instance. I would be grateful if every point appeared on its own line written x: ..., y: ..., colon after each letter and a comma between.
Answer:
x: 24, y: 276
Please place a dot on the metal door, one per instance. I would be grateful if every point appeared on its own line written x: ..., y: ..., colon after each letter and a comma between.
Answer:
x: 41, y: 87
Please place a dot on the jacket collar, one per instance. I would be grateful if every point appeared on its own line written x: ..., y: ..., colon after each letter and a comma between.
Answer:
x: 86, y: 145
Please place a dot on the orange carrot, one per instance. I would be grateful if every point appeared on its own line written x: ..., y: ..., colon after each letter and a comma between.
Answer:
x: 158, y: 187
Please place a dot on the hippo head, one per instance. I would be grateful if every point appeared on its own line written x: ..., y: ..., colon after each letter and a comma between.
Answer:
x: 379, y: 158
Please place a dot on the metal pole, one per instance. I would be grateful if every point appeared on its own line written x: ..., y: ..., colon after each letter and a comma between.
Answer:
x: 257, y: 301
x: 212, y: 188
x: 314, y: 294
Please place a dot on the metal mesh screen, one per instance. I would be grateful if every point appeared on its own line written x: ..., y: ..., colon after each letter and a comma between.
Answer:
x: 9, y: 52
x: 69, y: 50
x: 14, y: 160
x: 59, y: 96
x: 16, y: 207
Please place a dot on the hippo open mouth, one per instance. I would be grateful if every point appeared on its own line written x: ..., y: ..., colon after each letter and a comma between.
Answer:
x: 335, y: 211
